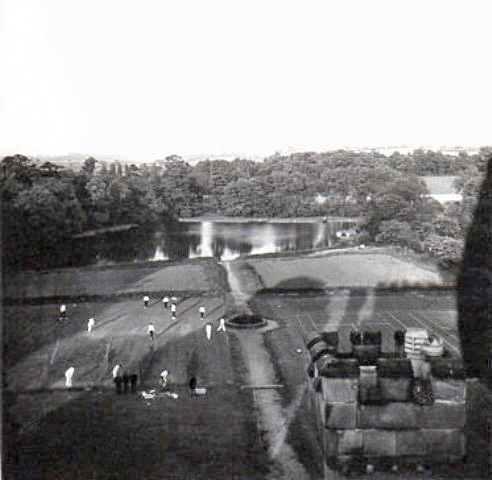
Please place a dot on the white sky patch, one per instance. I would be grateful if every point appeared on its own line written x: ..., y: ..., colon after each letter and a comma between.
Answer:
x: 149, y: 78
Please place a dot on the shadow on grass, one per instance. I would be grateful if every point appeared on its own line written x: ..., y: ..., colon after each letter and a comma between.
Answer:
x: 104, y: 435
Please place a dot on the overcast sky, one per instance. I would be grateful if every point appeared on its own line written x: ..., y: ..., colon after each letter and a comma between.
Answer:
x: 146, y: 79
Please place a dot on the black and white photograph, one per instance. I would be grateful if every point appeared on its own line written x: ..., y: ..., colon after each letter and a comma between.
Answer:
x: 246, y: 240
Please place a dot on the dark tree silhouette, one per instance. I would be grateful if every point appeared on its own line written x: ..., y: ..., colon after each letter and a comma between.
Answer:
x: 474, y: 287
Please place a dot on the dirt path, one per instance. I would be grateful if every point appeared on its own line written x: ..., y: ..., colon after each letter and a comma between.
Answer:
x: 274, y: 418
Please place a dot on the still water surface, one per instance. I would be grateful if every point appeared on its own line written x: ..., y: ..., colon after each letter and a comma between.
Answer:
x: 222, y: 240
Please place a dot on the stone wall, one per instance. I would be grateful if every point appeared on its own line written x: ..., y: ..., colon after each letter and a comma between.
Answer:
x: 380, y: 419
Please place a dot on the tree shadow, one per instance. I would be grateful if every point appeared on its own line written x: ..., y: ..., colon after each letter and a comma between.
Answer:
x: 474, y: 301
x: 357, y: 298
x: 474, y: 292
x: 301, y: 284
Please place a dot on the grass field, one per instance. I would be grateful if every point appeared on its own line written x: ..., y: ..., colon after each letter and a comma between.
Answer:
x: 334, y: 271
x: 99, y: 434
x: 80, y: 282
x: 298, y: 314
x: 53, y: 433
x: 366, y: 308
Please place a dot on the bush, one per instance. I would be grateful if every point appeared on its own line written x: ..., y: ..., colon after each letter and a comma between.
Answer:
x: 446, y: 226
x: 443, y: 246
x: 399, y: 233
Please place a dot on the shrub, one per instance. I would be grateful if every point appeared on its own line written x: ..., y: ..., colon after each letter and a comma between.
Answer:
x: 399, y: 233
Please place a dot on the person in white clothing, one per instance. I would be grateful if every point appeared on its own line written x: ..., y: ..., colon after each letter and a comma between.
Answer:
x: 163, y: 376
x: 221, y: 326
x: 117, y: 379
x: 208, y: 330
x: 174, y: 299
x: 116, y: 370
x: 90, y: 324
x: 146, y: 301
x: 165, y: 302
x: 69, y: 376
x: 173, y: 311
x: 202, y: 312
x: 63, y: 311
x: 151, y: 330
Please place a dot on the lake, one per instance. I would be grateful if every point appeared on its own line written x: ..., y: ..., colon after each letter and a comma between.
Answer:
x: 224, y: 240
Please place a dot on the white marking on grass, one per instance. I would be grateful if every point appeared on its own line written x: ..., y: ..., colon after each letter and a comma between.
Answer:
x: 440, y: 327
x: 296, y: 316
x: 380, y: 314
x: 453, y: 347
x: 370, y: 324
x: 312, y: 321
x: 108, y: 349
x: 55, y: 351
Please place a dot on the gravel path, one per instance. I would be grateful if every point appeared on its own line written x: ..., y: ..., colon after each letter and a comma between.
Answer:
x: 274, y: 418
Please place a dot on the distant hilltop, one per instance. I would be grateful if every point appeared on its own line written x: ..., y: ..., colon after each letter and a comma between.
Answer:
x: 76, y: 160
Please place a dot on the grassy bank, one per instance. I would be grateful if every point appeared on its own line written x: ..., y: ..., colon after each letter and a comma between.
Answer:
x: 226, y: 219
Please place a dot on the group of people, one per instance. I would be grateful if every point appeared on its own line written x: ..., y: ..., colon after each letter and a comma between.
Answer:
x: 69, y: 372
x: 63, y: 316
x: 166, y: 301
x: 122, y: 380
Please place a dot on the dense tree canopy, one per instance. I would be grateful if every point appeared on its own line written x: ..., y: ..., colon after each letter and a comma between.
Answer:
x: 45, y: 204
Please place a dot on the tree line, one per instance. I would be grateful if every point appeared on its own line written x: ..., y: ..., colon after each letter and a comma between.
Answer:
x: 44, y: 204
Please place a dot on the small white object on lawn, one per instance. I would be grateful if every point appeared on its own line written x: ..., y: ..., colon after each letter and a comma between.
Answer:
x: 299, y: 350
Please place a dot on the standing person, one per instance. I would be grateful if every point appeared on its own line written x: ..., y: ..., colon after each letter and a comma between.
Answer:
x: 116, y: 370
x: 173, y: 311
x: 133, y: 382
x: 208, y: 330
x: 90, y: 324
x: 126, y: 380
x: 193, y: 384
x: 117, y: 381
x: 146, y: 301
x: 69, y: 376
x: 221, y: 326
x: 163, y: 380
x: 151, y: 330
x: 117, y: 377
x: 165, y: 301
x: 174, y: 299
x: 202, y: 312
x: 63, y: 311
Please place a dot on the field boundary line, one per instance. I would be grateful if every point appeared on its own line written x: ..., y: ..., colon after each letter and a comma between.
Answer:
x: 296, y: 316
x: 445, y: 340
x: 55, y: 351
x: 445, y: 329
x: 312, y: 321
x: 453, y: 347
x: 394, y: 318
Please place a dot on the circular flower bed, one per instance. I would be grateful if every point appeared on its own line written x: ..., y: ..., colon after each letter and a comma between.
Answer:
x: 246, y: 321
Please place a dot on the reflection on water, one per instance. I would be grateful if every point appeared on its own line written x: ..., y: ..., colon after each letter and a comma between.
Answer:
x: 221, y: 240
x: 159, y: 254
